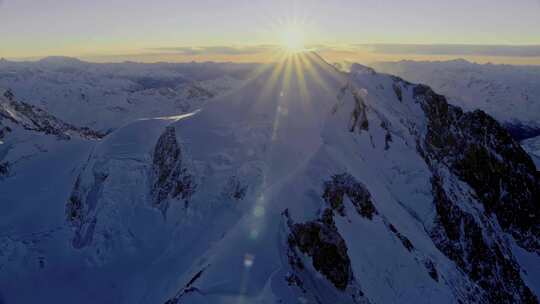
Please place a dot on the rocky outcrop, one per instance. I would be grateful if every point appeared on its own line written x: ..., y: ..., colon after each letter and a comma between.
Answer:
x: 235, y: 189
x: 4, y: 131
x: 359, y: 119
x: 404, y: 240
x: 398, y: 91
x: 187, y: 289
x: 171, y: 178
x: 387, y: 136
x: 80, y: 209
x: 74, y: 207
x: 4, y: 169
x: 342, y: 185
x: 501, y: 173
x: 317, y: 246
x: 321, y: 241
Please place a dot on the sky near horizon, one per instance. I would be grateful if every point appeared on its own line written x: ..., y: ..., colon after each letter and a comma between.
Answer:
x: 206, y: 29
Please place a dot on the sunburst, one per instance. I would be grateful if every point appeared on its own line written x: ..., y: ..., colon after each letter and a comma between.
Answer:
x: 293, y: 39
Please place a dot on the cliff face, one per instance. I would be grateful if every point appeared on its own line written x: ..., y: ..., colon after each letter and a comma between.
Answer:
x: 171, y: 177
x: 480, y: 152
x: 475, y: 149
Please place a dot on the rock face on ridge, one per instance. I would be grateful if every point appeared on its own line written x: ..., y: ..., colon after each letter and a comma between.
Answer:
x: 171, y: 176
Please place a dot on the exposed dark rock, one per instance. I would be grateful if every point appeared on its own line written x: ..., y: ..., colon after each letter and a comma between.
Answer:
x: 481, y: 153
x: 399, y: 80
x: 432, y: 270
x: 171, y: 177
x: 407, y: 244
x: 4, y: 169
x: 404, y: 240
x: 321, y: 241
x: 458, y: 235
x: 4, y: 131
x: 9, y: 95
x: 501, y: 173
x: 235, y: 189
x: 74, y: 205
x: 359, y: 119
x: 387, y: 140
x: 80, y: 209
x: 388, y: 136
x: 294, y: 280
x: 41, y: 262
x: 188, y: 288
x: 397, y: 90
x: 345, y: 184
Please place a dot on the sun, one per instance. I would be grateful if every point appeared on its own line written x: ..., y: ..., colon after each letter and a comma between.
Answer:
x: 293, y: 39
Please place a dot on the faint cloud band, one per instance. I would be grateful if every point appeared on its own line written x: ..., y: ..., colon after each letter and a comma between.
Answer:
x: 456, y: 49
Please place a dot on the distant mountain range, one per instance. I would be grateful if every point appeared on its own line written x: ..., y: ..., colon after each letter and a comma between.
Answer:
x: 107, y: 96
x: 511, y: 94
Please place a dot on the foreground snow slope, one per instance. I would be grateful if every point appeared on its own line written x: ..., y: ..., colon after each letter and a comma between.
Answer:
x: 511, y: 94
x: 305, y: 185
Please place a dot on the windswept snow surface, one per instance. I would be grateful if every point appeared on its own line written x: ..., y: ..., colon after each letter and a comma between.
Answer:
x: 217, y: 206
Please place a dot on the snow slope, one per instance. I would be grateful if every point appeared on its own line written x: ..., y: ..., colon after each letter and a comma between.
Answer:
x: 304, y: 185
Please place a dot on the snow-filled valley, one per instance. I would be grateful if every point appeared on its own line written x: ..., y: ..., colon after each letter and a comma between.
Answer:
x: 290, y: 182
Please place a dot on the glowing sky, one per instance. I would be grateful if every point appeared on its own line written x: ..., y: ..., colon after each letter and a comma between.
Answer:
x: 123, y: 28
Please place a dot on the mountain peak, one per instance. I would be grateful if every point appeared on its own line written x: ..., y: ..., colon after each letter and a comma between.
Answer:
x: 460, y: 61
x: 360, y: 69
x: 64, y: 60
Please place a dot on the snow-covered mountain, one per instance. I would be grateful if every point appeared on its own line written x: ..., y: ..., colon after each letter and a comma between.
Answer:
x: 511, y: 94
x: 304, y: 185
x: 105, y: 97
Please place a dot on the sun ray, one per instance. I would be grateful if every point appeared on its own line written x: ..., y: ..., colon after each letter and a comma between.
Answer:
x: 300, y: 78
x: 310, y: 66
x: 277, y: 56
